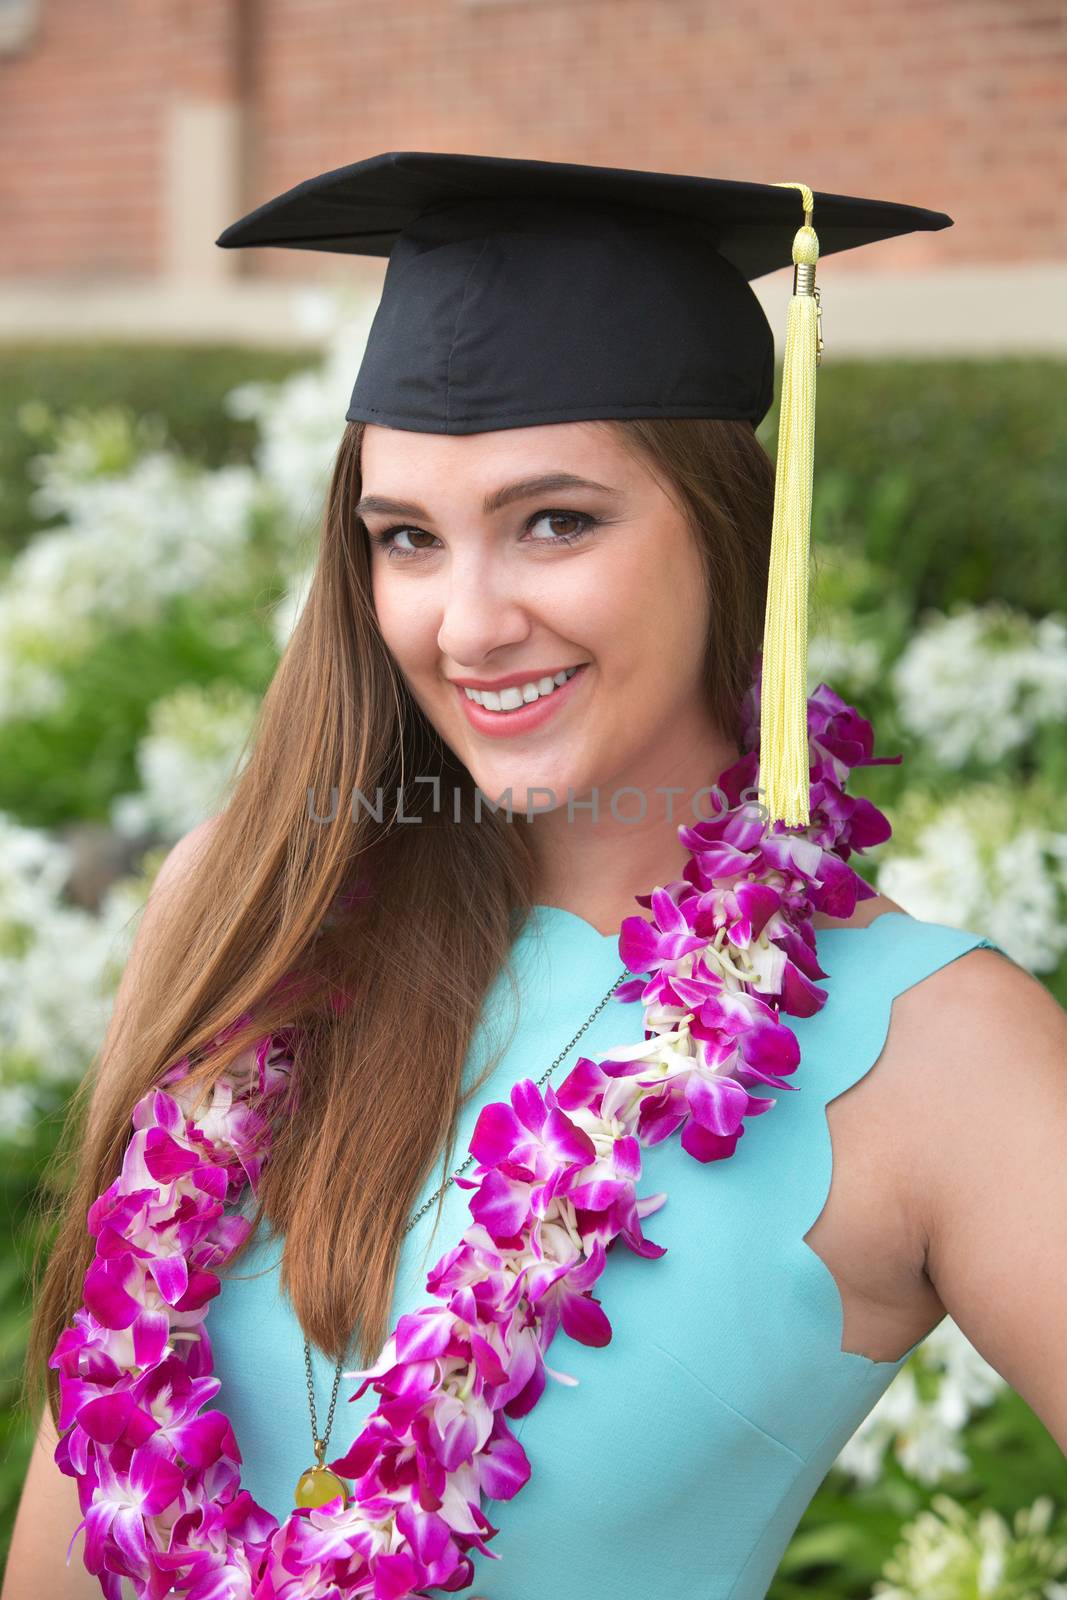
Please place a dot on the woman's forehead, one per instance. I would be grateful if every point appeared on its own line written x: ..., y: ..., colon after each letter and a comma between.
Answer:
x: 390, y: 458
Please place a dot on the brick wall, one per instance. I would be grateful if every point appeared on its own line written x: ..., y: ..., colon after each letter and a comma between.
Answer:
x: 960, y: 105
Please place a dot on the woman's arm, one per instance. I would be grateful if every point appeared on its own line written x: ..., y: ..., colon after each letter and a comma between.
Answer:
x: 987, y: 1103
x: 48, y: 1511
x: 48, y: 1515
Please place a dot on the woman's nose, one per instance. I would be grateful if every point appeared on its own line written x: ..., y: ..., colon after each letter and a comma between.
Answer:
x: 479, y: 616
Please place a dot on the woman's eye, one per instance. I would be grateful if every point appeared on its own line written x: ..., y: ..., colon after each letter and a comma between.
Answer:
x: 585, y: 525
x: 385, y: 540
x: 580, y: 523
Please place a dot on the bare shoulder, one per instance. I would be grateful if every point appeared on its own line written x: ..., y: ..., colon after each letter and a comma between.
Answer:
x: 971, y: 1012
x: 952, y: 1038
x: 171, y: 879
x: 183, y: 856
x: 973, y: 1040
x: 976, y: 1053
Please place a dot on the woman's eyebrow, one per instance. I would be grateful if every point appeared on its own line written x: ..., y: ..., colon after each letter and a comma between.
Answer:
x: 544, y: 483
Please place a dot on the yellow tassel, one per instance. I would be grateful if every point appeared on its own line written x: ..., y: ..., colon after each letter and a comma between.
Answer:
x: 784, y: 686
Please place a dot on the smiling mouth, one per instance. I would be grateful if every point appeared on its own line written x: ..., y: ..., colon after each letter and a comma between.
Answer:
x: 519, y: 695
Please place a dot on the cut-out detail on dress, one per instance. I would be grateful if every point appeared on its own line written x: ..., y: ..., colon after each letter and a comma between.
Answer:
x: 823, y: 1158
x: 843, y: 1309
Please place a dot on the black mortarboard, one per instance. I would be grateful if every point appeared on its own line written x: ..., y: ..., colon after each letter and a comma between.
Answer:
x: 526, y: 292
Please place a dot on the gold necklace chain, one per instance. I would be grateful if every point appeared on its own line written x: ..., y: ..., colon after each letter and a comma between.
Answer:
x: 320, y: 1442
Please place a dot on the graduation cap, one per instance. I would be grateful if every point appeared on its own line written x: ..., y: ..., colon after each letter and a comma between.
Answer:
x: 525, y: 292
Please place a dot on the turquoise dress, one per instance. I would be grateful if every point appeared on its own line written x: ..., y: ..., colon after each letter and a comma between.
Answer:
x: 685, y: 1457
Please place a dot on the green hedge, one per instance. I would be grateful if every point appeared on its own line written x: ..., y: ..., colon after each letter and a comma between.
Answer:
x: 950, y: 474
x: 182, y: 384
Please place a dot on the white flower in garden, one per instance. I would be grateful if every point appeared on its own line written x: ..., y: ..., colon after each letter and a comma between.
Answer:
x: 920, y: 1418
x: 33, y: 868
x: 863, y: 1457
x: 59, y: 967
x: 186, y: 760
x: 1056, y: 847
x: 130, y: 544
x: 18, y: 1108
x: 838, y: 660
x: 83, y: 446
x: 976, y: 684
x: 951, y: 1553
x: 301, y: 419
x: 968, y: 1383
x: 26, y: 687
x: 942, y: 880
x: 140, y: 526
x: 318, y: 309
x: 1028, y: 900
x: 978, y: 862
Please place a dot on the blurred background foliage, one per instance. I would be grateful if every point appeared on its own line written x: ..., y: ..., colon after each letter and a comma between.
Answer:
x: 183, y: 386
x: 158, y: 520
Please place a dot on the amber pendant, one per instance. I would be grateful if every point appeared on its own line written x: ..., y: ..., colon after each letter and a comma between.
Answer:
x: 318, y: 1486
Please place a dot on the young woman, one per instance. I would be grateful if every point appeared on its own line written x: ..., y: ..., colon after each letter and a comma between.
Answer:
x: 414, y: 955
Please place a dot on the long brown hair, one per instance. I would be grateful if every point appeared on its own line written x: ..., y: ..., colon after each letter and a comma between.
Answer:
x: 379, y: 1079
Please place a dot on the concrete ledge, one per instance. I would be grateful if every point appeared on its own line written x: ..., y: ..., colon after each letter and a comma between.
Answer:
x: 157, y: 311
x: 960, y: 311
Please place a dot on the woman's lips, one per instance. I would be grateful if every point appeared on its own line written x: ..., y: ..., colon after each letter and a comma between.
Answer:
x: 506, y: 724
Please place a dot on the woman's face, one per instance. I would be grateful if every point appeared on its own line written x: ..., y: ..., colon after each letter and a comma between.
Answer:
x: 505, y: 558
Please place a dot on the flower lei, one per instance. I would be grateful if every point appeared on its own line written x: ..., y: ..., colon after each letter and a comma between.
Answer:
x: 727, y: 948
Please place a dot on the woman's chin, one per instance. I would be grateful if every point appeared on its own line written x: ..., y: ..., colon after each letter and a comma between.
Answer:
x: 531, y: 795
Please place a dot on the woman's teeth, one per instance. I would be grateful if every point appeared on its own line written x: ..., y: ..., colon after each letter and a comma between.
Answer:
x: 519, y: 694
